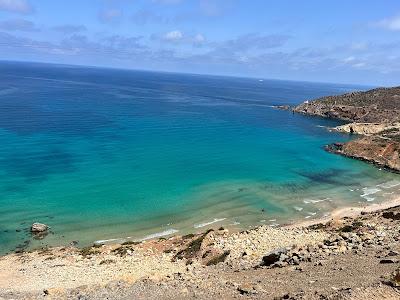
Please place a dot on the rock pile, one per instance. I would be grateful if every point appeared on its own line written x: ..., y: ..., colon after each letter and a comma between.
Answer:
x: 200, y: 248
x: 355, y: 237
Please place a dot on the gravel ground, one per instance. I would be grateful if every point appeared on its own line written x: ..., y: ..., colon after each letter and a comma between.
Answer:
x: 351, y: 258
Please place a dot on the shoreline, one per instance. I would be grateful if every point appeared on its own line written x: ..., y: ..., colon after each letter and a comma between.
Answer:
x: 335, y: 215
x: 349, y: 212
x: 356, y: 240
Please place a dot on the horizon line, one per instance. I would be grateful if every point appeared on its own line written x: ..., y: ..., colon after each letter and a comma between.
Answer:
x: 190, y: 73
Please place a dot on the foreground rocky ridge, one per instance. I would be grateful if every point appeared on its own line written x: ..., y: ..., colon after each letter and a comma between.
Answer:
x: 374, y: 114
x: 345, y: 258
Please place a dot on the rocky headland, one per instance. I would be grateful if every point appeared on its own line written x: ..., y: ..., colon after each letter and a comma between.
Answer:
x: 374, y: 115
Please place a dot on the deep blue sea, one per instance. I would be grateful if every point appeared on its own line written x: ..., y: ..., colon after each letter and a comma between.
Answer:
x: 115, y: 154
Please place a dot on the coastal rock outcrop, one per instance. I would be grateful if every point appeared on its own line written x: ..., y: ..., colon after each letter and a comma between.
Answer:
x: 375, y: 114
x: 201, y: 248
x: 374, y: 106
x: 37, y: 228
x: 375, y: 149
x: 387, y: 129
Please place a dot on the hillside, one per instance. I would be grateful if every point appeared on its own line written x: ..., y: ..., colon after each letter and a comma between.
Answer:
x: 375, y: 116
x: 374, y: 106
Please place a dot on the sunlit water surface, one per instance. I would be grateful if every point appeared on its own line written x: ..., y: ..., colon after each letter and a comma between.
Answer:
x: 107, y: 154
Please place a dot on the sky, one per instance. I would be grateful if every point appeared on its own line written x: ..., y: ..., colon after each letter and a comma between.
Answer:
x: 341, y: 41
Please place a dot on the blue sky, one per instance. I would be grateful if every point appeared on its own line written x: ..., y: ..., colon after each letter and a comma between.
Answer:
x: 343, y: 41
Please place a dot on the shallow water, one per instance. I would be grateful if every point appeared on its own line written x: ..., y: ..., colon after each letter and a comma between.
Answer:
x: 108, y: 154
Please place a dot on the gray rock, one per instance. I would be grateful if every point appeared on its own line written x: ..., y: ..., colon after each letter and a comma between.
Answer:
x: 393, y: 253
x: 247, y: 288
x: 280, y: 264
x: 295, y: 260
x: 283, y: 257
x: 272, y: 257
x: 39, y: 228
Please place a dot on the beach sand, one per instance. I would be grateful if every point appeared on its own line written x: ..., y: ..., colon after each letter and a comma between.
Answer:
x: 350, y: 212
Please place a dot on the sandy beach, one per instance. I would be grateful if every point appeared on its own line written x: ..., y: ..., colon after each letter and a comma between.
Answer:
x: 350, y: 211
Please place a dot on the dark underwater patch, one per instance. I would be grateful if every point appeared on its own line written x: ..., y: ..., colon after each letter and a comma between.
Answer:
x: 27, y: 119
x: 37, y: 165
x: 330, y: 176
x: 291, y: 187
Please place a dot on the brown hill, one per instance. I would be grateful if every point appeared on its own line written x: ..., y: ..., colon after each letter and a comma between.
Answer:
x: 374, y: 106
x: 374, y: 113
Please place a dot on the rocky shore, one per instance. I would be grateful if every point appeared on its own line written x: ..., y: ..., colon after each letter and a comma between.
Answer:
x: 381, y: 105
x: 354, y: 254
x: 374, y: 114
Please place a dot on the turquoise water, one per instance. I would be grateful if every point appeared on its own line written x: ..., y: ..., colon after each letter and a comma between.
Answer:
x: 108, y: 154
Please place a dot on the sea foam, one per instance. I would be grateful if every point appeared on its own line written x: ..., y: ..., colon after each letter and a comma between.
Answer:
x: 99, y: 242
x: 369, y: 191
x: 208, y: 223
x: 389, y: 184
x: 160, y: 234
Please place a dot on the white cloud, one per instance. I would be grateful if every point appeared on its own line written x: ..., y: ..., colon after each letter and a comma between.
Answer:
x: 179, y: 37
x: 359, y: 65
x: 199, y: 38
x: 392, y: 23
x: 173, y: 36
x: 16, y: 6
x: 349, y: 59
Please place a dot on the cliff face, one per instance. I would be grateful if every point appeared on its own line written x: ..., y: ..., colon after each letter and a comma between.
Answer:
x: 385, y: 129
x: 374, y: 106
x: 374, y: 113
x: 377, y: 150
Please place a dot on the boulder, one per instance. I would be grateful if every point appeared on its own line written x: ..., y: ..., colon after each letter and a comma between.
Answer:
x: 247, y: 288
x: 388, y: 261
x: 273, y: 257
x: 39, y: 228
x: 396, y: 279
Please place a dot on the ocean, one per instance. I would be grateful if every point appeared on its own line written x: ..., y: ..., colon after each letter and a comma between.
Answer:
x: 106, y: 154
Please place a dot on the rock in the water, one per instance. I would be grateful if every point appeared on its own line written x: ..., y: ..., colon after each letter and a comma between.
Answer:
x: 39, y: 228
